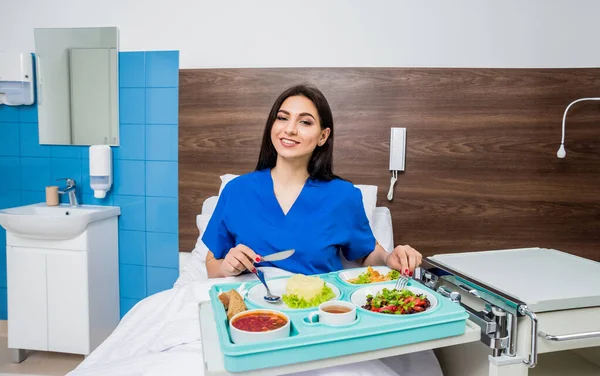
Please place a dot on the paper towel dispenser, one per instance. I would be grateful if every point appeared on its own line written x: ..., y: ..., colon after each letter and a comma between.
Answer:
x: 16, y: 78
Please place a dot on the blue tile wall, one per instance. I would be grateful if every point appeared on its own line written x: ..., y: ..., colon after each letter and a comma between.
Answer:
x: 145, y: 181
x: 32, y: 197
x: 135, y: 244
x: 162, y: 105
x: 10, y: 173
x: 132, y: 68
x: 160, y: 279
x: 133, y: 142
x: 160, y: 212
x: 35, y: 173
x: 157, y: 250
x: 130, y: 178
x: 9, y: 142
x: 162, y: 69
x: 132, y: 107
x: 9, y: 114
x: 9, y: 199
x: 157, y: 135
x: 161, y: 179
x: 133, y: 212
x: 3, y: 303
x: 30, y: 141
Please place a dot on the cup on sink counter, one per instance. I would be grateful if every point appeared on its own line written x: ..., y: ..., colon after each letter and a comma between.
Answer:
x: 334, y: 313
x: 52, y: 195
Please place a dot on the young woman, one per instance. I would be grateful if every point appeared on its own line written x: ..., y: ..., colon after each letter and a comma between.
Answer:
x: 294, y: 201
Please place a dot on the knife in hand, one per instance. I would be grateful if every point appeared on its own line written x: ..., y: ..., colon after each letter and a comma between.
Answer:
x: 278, y: 256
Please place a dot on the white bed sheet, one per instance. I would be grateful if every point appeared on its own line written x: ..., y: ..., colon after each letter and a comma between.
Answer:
x: 161, y: 335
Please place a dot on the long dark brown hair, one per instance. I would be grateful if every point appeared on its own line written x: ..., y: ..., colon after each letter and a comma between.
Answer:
x: 320, y: 165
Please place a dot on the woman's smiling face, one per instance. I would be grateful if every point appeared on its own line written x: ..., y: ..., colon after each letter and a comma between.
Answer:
x: 297, y: 131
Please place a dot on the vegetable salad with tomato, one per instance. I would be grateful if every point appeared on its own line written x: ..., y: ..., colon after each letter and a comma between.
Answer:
x: 397, y: 302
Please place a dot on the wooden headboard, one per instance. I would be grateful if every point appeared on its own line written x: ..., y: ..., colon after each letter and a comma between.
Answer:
x: 481, y: 166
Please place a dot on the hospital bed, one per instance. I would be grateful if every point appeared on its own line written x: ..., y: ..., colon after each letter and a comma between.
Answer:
x: 161, y: 334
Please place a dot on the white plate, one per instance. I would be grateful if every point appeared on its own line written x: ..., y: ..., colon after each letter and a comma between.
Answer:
x: 277, y: 286
x: 353, y: 273
x: 359, y: 297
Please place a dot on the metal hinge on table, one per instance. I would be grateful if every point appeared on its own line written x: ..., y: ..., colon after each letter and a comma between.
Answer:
x: 497, y: 319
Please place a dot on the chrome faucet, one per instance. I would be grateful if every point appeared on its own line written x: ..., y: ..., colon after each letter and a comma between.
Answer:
x: 70, y: 189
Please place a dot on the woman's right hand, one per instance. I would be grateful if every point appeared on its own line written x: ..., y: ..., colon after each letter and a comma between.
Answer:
x: 238, y: 259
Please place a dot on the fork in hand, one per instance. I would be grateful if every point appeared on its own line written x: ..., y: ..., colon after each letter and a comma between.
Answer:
x: 401, y: 282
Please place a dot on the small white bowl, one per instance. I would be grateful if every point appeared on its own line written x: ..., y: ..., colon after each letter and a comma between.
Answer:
x: 326, y: 317
x: 242, y: 336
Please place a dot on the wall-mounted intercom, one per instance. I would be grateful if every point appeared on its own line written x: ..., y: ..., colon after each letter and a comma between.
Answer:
x: 397, y: 156
x: 397, y: 149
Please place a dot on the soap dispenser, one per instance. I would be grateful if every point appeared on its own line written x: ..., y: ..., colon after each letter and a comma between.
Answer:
x: 100, y: 169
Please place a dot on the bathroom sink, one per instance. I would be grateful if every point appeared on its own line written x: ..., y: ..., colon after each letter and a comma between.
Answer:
x: 39, y: 221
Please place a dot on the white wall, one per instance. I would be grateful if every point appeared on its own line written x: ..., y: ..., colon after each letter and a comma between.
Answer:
x: 308, y: 33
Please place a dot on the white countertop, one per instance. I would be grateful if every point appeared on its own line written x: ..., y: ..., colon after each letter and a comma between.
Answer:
x: 545, y: 279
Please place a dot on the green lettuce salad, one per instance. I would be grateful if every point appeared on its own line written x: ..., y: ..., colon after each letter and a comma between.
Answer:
x: 293, y: 301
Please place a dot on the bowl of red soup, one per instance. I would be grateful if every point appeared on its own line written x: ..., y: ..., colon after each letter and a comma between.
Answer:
x: 258, y: 325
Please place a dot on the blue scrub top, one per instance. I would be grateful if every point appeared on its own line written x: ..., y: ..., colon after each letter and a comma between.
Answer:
x: 326, y: 218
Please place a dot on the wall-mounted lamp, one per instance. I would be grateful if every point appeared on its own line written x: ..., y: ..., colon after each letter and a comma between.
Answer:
x: 561, y: 153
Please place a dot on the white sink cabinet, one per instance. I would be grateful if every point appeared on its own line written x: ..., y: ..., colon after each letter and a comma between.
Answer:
x: 63, y: 294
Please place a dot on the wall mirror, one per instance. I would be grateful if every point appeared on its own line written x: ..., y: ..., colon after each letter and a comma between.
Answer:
x: 78, y: 85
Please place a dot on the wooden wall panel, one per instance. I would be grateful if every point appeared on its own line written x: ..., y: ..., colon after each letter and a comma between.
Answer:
x: 481, y: 166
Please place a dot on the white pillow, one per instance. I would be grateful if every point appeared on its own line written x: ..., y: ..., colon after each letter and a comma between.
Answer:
x: 208, y: 207
x: 195, y: 267
x: 226, y: 179
x: 369, y: 195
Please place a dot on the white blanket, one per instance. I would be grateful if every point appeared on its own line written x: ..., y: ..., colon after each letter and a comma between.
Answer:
x: 161, y: 336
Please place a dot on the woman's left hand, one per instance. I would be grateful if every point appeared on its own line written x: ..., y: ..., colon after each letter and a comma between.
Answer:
x: 404, y: 258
